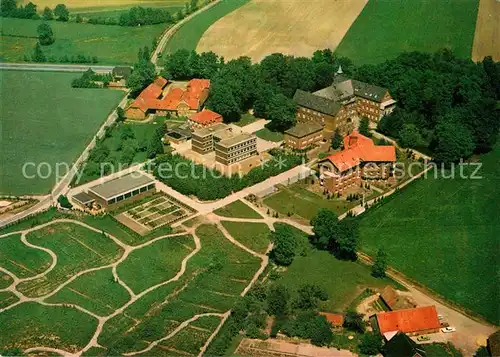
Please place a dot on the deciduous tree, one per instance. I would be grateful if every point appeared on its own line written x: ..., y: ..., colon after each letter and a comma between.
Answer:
x: 45, y: 34
x: 61, y: 12
x: 380, y: 265
x: 48, y: 14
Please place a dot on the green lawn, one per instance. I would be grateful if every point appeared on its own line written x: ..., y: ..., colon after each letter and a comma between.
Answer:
x: 46, y: 123
x: 96, y: 291
x: 444, y: 234
x: 188, y: 36
x: 21, y: 260
x: 269, y: 135
x: 163, y: 259
x: 77, y: 248
x: 385, y: 28
x: 297, y: 200
x: 237, y: 209
x: 31, y: 324
x: 252, y: 235
x: 343, y: 280
x: 111, y: 44
x: 246, y: 119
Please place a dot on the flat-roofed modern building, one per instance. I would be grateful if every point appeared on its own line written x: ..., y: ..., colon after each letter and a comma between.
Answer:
x: 303, y: 135
x: 202, y: 140
x: 125, y: 189
x: 230, y: 149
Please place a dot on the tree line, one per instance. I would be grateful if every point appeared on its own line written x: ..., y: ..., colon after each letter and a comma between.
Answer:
x: 266, y: 87
x: 89, y: 78
x: 446, y: 104
x: 9, y: 8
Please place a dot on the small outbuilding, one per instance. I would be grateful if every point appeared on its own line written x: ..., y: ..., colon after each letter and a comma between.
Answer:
x: 122, y: 72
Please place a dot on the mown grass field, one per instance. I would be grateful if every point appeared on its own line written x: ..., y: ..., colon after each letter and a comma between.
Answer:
x: 298, y: 201
x: 46, y: 121
x: 188, y: 36
x: 77, y: 248
x: 111, y: 44
x: 252, y: 235
x: 385, y: 28
x: 343, y: 280
x: 237, y: 209
x: 444, y: 233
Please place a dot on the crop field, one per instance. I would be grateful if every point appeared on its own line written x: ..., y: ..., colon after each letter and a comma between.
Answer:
x: 386, y: 28
x: 293, y: 27
x: 172, y: 280
x: 110, y: 44
x: 299, y: 201
x: 190, y: 33
x: 48, y: 122
x: 31, y: 262
x: 76, y: 247
x: 487, y: 35
x: 343, y: 280
x: 444, y: 224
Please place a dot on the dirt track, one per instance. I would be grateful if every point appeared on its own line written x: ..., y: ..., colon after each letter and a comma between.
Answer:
x: 260, y: 28
x: 487, y: 35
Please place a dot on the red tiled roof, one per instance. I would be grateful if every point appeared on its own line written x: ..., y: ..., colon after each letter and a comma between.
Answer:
x: 149, y: 97
x: 335, y: 319
x: 409, y: 320
x: 192, y: 96
x: 358, y: 148
x: 171, y: 100
x: 206, y: 116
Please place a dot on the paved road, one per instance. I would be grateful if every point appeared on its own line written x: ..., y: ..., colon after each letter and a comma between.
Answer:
x: 55, y: 67
x: 172, y: 30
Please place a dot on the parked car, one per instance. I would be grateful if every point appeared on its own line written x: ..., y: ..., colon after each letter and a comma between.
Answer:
x: 423, y: 338
x: 440, y: 317
x: 448, y: 329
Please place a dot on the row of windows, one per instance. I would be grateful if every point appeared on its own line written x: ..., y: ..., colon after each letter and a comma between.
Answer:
x: 252, y: 141
x: 239, y: 158
x: 131, y: 194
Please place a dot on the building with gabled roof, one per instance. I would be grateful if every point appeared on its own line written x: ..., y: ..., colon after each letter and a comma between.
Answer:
x: 416, y: 321
x: 360, y: 160
x: 340, y: 105
x: 303, y: 135
x: 204, y: 118
x: 157, y: 99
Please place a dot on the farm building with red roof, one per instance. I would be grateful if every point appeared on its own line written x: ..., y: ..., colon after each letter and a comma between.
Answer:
x: 158, y: 99
x: 417, y: 321
x: 360, y: 160
x: 204, y: 118
x: 337, y: 320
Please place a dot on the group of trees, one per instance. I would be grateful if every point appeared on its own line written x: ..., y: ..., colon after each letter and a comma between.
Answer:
x: 339, y: 237
x: 143, y: 74
x: 267, y: 87
x: 38, y: 55
x: 286, y: 244
x: 89, y: 78
x: 207, y: 184
x: 9, y: 8
x: 446, y: 104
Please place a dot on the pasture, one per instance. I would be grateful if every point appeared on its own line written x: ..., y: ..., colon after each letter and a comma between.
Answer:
x: 48, y: 122
x: 443, y: 233
x: 110, y: 44
x: 189, y: 34
x: 293, y: 27
x: 487, y: 35
x: 386, y: 28
x: 104, y: 4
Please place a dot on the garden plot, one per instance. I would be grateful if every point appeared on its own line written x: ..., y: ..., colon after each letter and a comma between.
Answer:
x: 154, y: 214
